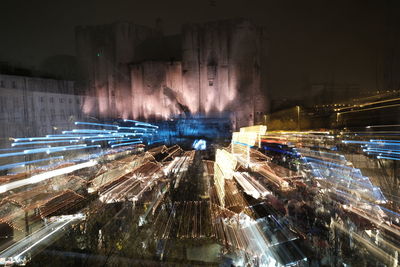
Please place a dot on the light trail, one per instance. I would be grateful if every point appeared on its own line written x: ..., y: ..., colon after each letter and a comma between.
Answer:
x: 383, y: 126
x: 386, y: 151
x: 141, y: 123
x: 95, y: 124
x: 370, y: 143
x: 141, y: 134
x: 130, y: 121
x: 85, y: 147
x: 69, y: 135
x: 15, y: 154
x: 383, y: 157
x: 51, y: 149
x: 44, y: 138
x: 135, y: 128
x: 380, y: 140
x: 45, y: 176
x: 130, y: 134
x: 125, y: 144
x: 322, y: 162
x: 367, y: 104
x: 89, y: 131
x: 19, y: 148
x: 384, y: 256
x: 24, y: 163
x: 90, y: 137
x: 44, y: 142
x: 43, y: 238
x: 379, y: 102
x: 367, y: 109
x: 246, y: 185
x: 17, y: 251
x: 104, y: 139
x: 146, y: 124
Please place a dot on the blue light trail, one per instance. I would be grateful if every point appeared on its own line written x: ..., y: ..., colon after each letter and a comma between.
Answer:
x: 24, y: 163
x: 95, y: 124
x: 125, y: 144
x: 43, y: 142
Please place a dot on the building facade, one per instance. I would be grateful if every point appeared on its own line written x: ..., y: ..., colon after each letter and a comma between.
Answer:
x: 104, y: 53
x: 216, y: 68
x: 36, y: 106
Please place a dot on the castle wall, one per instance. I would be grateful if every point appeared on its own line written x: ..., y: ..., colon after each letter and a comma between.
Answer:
x: 156, y: 89
x: 222, y: 70
x: 222, y: 63
x: 104, y: 53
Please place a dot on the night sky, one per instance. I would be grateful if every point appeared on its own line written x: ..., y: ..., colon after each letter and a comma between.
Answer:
x: 311, y: 41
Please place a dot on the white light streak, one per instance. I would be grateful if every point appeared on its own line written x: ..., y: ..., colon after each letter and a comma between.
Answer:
x: 46, y: 175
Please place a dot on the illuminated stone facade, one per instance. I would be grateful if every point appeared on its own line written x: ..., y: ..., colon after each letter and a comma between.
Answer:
x: 215, y: 68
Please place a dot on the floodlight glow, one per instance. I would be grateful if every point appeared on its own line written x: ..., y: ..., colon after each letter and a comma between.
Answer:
x: 199, y: 144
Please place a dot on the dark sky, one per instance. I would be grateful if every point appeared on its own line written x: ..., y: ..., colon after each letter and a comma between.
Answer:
x: 311, y: 41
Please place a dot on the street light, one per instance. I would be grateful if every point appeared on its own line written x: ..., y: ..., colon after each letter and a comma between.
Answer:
x: 298, y: 117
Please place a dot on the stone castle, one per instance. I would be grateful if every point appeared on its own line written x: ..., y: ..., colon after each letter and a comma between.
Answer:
x: 213, y: 69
